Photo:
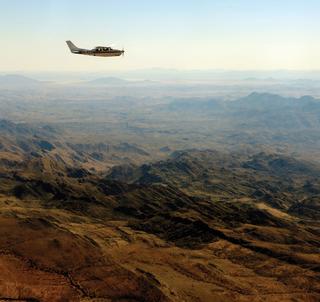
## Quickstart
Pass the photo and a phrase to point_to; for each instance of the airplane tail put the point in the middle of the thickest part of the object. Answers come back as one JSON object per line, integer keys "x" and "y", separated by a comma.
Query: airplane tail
{"x": 72, "y": 47}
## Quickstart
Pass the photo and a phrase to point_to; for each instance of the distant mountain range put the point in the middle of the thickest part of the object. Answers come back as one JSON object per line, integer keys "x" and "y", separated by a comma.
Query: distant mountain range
{"x": 18, "y": 81}
{"x": 257, "y": 110}
{"x": 107, "y": 81}
{"x": 114, "y": 81}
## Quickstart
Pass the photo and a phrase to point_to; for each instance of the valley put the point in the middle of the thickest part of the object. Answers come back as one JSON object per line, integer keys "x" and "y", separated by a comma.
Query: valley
{"x": 187, "y": 197}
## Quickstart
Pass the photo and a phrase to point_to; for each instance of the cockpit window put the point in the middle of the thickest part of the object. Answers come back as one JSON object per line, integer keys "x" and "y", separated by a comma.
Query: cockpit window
{"x": 103, "y": 48}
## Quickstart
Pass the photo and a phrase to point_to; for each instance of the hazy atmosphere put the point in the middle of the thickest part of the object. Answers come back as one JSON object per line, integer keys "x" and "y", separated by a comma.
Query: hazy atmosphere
{"x": 231, "y": 34}
{"x": 159, "y": 151}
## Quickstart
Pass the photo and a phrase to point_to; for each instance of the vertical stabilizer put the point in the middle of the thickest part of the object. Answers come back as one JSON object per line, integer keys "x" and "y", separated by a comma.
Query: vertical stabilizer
{"x": 72, "y": 47}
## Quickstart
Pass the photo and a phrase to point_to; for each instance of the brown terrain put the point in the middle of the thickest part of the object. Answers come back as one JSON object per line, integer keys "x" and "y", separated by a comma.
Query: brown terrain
{"x": 77, "y": 224}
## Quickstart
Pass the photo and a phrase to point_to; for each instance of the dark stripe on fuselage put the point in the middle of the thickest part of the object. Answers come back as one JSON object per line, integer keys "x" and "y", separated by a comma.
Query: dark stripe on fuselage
{"x": 98, "y": 53}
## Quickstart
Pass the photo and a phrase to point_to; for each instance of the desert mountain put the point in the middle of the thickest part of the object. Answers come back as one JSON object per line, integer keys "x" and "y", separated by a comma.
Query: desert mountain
{"x": 231, "y": 226}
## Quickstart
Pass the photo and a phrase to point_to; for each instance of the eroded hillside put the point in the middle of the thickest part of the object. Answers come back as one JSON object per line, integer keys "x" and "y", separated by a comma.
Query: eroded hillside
{"x": 200, "y": 225}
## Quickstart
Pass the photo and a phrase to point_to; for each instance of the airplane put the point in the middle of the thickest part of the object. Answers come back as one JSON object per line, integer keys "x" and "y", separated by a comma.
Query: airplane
{"x": 99, "y": 51}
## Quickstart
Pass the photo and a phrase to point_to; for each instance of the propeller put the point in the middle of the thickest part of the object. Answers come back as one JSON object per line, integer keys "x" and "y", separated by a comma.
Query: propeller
{"x": 114, "y": 45}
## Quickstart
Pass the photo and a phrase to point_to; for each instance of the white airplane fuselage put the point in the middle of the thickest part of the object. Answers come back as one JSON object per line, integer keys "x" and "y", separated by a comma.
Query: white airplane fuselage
{"x": 94, "y": 52}
{"x": 99, "y": 51}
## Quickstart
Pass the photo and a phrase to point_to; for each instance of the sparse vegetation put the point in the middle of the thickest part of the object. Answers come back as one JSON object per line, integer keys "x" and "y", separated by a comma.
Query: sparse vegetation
{"x": 170, "y": 200}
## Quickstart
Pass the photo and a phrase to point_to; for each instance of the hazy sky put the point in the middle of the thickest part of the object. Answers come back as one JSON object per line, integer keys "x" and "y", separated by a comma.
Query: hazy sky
{"x": 183, "y": 34}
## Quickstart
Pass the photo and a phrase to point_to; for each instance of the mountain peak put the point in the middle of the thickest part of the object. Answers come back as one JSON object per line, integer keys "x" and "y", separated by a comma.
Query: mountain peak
{"x": 17, "y": 80}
